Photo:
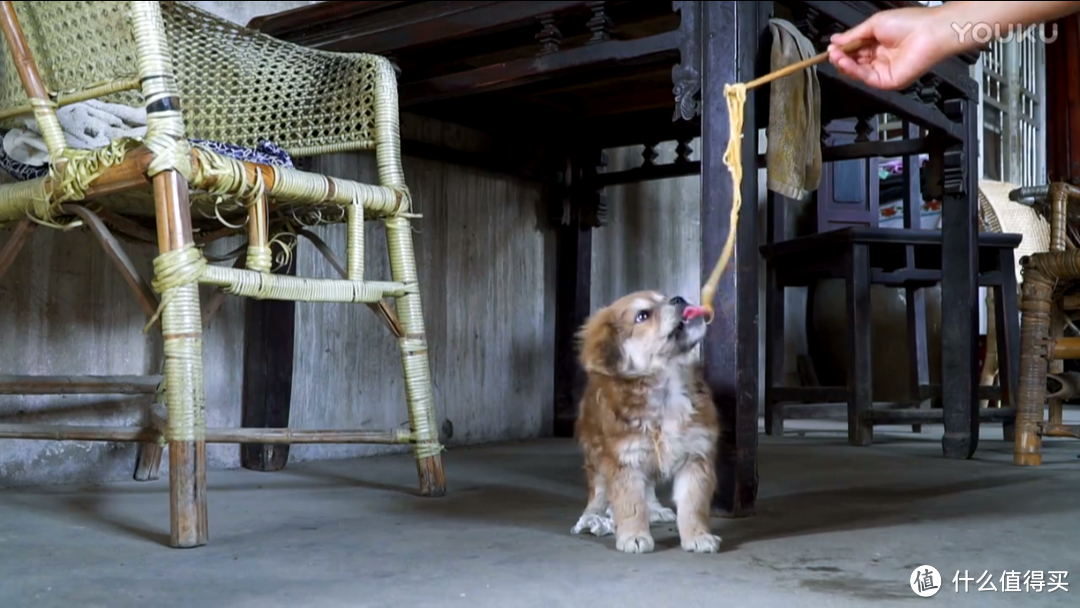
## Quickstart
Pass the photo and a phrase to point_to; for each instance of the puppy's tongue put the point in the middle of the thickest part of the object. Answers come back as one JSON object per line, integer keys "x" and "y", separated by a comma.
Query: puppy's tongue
{"x": 692, "y": 312}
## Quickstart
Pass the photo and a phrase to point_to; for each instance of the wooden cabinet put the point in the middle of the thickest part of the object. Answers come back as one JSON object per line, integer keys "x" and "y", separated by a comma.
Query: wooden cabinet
{"x": 849, "y": 190}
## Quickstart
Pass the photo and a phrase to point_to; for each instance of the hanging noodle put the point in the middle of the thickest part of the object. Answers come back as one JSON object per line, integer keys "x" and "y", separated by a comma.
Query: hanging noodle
{"x": 736, "y": 102}
{"x": 736, "y": 99}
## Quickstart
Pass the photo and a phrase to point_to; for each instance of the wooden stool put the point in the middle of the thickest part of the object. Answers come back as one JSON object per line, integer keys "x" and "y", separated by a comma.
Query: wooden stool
{"x": 897, "y": 258}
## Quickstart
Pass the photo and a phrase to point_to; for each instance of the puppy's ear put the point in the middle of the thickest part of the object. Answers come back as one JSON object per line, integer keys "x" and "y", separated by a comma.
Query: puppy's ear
{"x": 599, "y": 344}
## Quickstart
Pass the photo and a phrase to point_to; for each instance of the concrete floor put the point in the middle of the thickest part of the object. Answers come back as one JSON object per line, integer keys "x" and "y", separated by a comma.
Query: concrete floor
{"x": 836, "y": 526}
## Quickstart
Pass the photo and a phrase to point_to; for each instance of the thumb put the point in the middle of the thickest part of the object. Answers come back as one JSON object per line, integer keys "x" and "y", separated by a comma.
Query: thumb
{"x": 863, "y": 31}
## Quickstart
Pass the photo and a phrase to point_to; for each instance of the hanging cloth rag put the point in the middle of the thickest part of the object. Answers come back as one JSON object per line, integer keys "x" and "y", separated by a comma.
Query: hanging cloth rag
{"x": 793, "y": 155}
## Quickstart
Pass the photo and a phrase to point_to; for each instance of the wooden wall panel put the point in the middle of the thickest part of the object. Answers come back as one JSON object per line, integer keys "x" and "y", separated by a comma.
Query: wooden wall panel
{"x": 1063, "y": 102}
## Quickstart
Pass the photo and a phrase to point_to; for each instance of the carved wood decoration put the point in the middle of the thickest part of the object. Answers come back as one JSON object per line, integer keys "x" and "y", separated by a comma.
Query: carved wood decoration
{"x": 601, "y": 24}
{"x": 806, "y": 18}
{"x": 683, "y": 151}
{"x": 686, "y": 75}
{"x": 649, "y": 155}
{"x": 557, "y": 195}
{"x": 864, "y": 128}
{"x": 589, "y": 198}
{"x": 929, "y": 90}
{"x": 549, "y": 35}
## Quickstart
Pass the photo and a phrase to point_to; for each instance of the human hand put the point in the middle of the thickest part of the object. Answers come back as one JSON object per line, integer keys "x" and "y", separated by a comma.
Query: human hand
{"x": 899, "y": 46}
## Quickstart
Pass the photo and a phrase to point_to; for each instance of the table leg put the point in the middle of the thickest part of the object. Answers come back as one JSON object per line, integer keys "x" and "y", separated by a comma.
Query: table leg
{"x": 959, "y": 290}
{"x": 729, "y": 37}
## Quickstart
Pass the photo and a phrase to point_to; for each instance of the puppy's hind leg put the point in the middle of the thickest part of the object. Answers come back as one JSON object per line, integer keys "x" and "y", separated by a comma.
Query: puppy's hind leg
{"x": 693, "y": 490}
{"x": 631, "y": 511}
{"x": 658, "y": 513}
{"x": 596, "y": 518}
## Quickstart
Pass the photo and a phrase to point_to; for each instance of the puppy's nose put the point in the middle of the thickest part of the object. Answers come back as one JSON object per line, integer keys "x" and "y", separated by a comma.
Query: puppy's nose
{"x": 678, "y": 300}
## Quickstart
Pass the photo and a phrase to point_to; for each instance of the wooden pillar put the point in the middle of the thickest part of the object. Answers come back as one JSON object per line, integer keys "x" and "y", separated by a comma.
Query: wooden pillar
{"x": 729, "y": 41}
{"x": 574, "y": 207}
{"x": 269, "y": 327}
{"x": 572, "y": 283}
{"x": 1063, "y": 101}
{"x": 915, "y": 305}
{"x": 959, "y": 287}
{"x": 269, "y": 351}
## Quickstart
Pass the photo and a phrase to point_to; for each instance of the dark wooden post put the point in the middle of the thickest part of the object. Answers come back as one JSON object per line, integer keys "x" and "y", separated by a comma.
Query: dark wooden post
{"x": 576, "y": 208}
{"x": 729, "y": 39}
{"x": 573, "y": 278}
{"x": 918, "y": 351}
{"x": 959, "y": 288}
{"x": 774, "y": 317}
{"x": 268, "y": 375}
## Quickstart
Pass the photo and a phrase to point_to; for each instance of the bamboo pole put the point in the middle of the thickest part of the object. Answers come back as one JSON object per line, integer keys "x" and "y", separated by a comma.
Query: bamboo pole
{"x": 63, "y": 432}
{"x": 79, "y": 385}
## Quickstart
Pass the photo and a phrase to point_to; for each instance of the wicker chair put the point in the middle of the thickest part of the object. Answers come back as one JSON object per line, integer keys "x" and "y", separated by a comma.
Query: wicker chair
{"x": 206, "y": 83}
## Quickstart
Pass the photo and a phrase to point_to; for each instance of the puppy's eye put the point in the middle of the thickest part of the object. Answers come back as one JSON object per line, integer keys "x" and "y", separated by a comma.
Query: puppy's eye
{"x": 642, "y": 316}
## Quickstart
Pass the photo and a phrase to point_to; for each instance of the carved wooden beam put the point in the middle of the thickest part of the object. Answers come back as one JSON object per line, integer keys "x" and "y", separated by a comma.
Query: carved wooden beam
{"x": 686, "y": 75}
{"x": 600, "y": 24}
{"x": 549, "y": 35}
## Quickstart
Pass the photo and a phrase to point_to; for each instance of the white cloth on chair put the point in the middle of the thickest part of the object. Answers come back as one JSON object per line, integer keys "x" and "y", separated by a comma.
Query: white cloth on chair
{"x": 24, "y": 145}
{"x": 86, "y": 125}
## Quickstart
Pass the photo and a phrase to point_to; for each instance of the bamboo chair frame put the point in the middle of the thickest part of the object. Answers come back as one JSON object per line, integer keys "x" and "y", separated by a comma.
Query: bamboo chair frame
{"x": 102, "y": 188}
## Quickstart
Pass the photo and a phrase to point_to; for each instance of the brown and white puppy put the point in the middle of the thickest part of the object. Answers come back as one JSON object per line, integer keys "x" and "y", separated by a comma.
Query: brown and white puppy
{"x": 646, "y": 416}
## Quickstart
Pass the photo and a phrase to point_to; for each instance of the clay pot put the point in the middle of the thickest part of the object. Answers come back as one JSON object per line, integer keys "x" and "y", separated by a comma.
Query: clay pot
{"x": 827, "y": 337}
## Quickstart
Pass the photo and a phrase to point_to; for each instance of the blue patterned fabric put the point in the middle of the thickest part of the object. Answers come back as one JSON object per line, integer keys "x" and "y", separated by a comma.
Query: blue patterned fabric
{"x": 20, "y": 171}
{"x": 265, "y": 153}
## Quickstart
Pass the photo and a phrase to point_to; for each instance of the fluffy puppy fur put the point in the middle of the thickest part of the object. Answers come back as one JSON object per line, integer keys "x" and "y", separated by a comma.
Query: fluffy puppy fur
{"x": 646, "y": 416}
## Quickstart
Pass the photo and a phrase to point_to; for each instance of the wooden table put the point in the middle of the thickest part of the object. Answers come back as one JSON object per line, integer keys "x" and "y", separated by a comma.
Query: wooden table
{"x": 597, "y": 75}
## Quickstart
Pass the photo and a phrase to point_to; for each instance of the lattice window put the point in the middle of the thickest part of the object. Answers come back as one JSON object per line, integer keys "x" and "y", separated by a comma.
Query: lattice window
{"x": 993, "y": 87}
{"x": 1012, "y": 84}
{"x": 890, "y": 127}
{"x": 1011, "y": 76}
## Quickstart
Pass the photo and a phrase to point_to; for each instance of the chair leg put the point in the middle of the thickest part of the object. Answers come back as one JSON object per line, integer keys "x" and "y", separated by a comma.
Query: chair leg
{"x": 414, "y": 359}
{"x": 148, "y": 457}
{"x": 181, "y": 326}
{"x": 918, "y": 353}
{"x": 774, "y": 352}
{"x": 1007, "y": 321}
{"x": 860, "y": 370}
{"x": 991, "y": 360}
{"x": 148, "y": 461}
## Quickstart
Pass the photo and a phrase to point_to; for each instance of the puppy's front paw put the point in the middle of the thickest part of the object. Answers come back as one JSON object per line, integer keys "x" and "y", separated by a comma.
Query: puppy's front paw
{"x": 702, "y": 543}
{"x": 596, "y": 524}
{"x": 635, "y": 543}
{"x": 661, "y": 515}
